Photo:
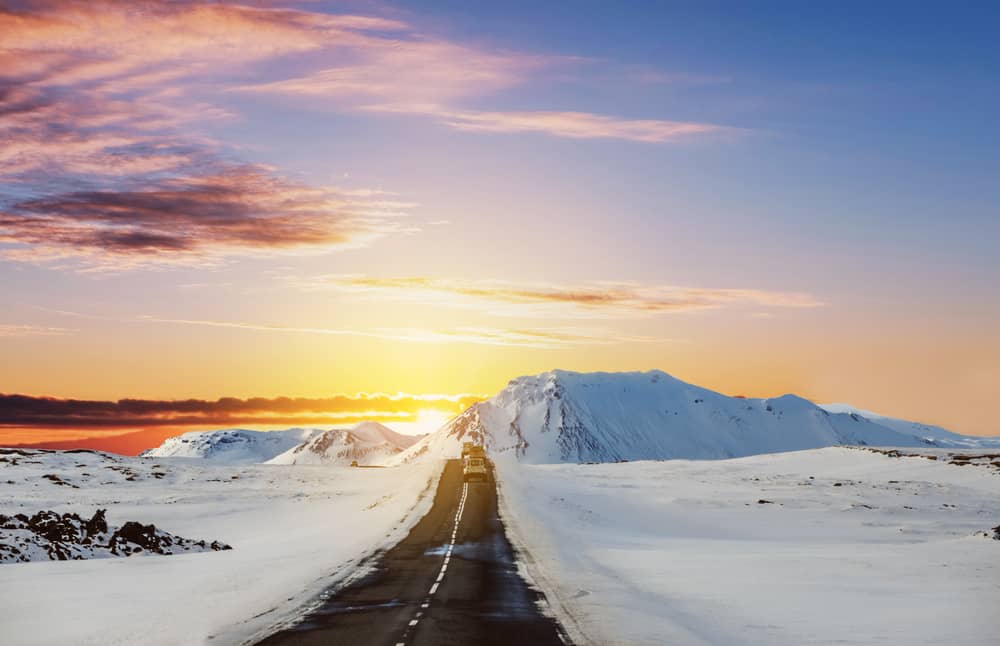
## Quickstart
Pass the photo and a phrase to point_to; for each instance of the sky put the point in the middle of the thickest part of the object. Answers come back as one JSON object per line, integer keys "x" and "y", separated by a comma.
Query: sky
{"x": 268, "y": 214}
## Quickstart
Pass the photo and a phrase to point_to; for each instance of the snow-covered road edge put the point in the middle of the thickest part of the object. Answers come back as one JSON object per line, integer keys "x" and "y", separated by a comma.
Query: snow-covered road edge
{"x": 315, "y": 594}
{"x": 534, "y": 571}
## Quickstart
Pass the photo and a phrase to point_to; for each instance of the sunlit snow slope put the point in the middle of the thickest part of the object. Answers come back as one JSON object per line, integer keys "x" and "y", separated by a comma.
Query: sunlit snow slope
{"x": 232, "y": 446}
{"x": 938, "y": 435}
{"x": 366, "y": 443}
{"x": 564, "y": 416}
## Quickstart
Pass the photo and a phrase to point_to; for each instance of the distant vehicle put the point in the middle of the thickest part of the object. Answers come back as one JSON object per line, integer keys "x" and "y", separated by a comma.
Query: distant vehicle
{"x": 475, "y": 464}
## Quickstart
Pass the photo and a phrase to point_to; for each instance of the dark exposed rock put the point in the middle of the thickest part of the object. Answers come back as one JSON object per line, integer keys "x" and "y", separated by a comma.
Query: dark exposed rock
{"x": 142, "y": 536}
{"x": 98, "y": 524}
{"x": 59, "y": 481}
{"x": 48, "y": 535}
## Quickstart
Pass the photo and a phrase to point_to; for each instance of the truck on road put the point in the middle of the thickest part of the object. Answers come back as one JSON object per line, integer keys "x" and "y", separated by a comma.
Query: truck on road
{"x": 475, "y": 464}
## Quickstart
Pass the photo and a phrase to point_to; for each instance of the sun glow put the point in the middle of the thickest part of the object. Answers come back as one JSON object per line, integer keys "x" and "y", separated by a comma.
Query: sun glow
{"x": 428, "y": 420}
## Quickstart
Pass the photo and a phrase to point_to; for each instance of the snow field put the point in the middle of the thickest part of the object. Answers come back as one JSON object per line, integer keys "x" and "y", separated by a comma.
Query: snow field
{"x": 294, "y": 531}
{"x": 851, "y": 547}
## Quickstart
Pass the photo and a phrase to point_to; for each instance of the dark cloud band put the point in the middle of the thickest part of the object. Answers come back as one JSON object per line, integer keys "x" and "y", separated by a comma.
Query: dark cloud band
{"x": 24, "y": 411}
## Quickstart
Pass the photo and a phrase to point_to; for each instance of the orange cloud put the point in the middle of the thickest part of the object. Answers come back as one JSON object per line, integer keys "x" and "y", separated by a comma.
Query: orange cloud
{"x": 586, "y": 300}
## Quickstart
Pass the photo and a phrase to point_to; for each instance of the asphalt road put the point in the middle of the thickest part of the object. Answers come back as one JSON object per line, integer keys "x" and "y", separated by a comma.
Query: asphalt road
{"x": 452, "y": 580}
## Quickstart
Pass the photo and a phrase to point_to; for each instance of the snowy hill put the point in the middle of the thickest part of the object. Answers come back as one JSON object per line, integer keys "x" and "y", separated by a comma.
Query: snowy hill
{"x": 367, "y": 443}
{"x": 936, "y": 434}
{"x": 564, "y": 416}
{"x": 232, "y": 446}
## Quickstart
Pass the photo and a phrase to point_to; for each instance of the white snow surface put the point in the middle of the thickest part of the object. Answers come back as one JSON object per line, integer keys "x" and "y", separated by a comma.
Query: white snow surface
{"x": 564, "y": 416}
{"x": 682, "y": 552}
{"x": 294, "y": 531}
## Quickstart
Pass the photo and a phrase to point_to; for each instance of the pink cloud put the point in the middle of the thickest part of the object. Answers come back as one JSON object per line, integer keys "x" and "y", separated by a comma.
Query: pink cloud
{"x": 232, "y": 210}
{"x": 573, "y": 125}
{"x": 101, "y": 100}
{"x": 407, "y": 71}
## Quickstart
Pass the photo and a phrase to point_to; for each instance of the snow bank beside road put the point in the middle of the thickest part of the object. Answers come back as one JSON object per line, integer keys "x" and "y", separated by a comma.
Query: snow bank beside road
{"x": 294, "y": 531}
{"x": 814, "y": 547}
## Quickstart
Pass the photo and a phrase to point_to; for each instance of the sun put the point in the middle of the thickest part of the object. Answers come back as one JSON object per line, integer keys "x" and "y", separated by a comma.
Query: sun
{"x": 428, "y": 420}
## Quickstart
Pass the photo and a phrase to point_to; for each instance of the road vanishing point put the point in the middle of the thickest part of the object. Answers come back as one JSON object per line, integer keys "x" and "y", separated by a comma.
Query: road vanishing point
{"x": 452, "y": 581}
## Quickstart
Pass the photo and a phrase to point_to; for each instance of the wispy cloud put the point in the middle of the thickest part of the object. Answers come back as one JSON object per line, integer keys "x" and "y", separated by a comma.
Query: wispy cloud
{"x": 588, "y": 300}
{"x": 549, "y": 338}
{"x": 411, "y": 70}
{"x": 8, "y": 330}
{"x": 572, "y": 125}
{"x": 578, "y": 125}
{"x": 410, "y": 73}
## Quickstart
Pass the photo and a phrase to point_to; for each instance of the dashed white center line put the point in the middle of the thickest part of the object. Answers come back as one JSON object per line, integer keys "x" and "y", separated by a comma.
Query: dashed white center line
{"x": 447, "y": 558}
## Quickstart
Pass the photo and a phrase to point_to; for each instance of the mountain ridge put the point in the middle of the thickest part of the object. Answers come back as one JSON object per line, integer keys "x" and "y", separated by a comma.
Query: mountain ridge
{"x": 366, "y": 443}
{"x": 565, "y": 416}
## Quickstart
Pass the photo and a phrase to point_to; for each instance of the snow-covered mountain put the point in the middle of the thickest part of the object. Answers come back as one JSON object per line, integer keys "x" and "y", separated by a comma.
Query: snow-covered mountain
{"x": 936, "y": 434}
{"x": 367, "y": 443}
{"x": 232, "y": 446}
{"x": 564, "y": 416}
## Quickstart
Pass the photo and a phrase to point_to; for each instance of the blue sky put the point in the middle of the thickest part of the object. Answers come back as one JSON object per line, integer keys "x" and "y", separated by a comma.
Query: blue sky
{"x": 758, "y": 197}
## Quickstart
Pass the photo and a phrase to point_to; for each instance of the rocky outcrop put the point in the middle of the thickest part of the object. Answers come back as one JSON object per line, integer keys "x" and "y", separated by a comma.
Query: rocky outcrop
{"x": 49, "y": 536}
